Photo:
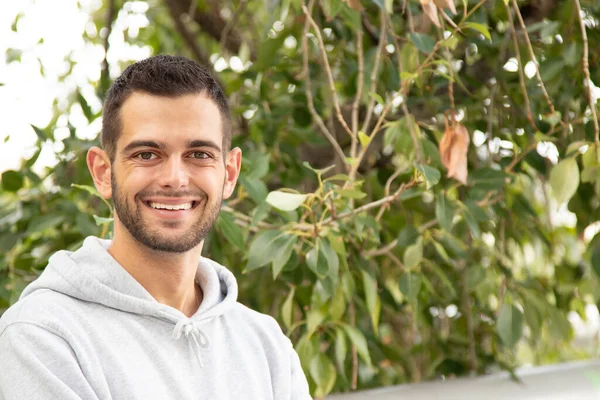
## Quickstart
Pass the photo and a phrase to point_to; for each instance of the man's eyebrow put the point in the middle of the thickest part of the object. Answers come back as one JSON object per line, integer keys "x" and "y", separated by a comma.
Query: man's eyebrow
{"x": 203, "y": 143}
{"x": 143, "y": 143}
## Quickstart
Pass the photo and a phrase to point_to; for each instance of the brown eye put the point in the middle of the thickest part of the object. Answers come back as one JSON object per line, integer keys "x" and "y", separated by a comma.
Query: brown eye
{"x": 146, "y": 155}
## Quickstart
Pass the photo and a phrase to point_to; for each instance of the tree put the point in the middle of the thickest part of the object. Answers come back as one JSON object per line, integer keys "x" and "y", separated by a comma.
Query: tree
{"x": 406, "y": 166}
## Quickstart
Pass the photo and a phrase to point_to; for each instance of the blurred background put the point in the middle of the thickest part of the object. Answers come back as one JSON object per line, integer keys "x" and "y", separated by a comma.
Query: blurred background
{"x": 420, "y": 194}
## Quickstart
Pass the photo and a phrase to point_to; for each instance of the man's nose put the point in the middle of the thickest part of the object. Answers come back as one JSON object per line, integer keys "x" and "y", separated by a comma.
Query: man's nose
{"x": 174, "y": 174}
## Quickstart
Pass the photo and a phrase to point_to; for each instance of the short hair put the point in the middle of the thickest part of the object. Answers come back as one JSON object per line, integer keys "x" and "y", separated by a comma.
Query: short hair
{"x": 161, "y": 75}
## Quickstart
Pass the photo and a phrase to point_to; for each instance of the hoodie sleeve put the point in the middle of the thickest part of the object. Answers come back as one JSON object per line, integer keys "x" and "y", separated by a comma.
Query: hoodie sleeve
{"x": 38, "y": 364}
{"x": 300, "y": 389}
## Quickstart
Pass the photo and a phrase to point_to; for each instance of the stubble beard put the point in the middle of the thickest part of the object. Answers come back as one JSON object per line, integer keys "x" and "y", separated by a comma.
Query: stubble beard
{"x": 156, "y": 239}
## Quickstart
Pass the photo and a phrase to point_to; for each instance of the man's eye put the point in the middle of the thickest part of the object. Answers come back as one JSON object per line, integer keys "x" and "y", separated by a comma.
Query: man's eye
{"x": 146, "y": 155}
{"x": 200, "y": 155}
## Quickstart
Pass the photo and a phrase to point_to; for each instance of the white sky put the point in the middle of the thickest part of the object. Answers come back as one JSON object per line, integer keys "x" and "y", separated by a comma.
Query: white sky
{"x": 27, "y": 96}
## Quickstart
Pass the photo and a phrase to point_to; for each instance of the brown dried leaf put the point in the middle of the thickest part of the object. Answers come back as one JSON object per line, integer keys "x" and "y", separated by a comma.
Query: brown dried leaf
{"x": 354, "y": 4}
{"x": 453, "y": 151}
{"x": 430, "y": 9}
{"x": 449, "y": 4}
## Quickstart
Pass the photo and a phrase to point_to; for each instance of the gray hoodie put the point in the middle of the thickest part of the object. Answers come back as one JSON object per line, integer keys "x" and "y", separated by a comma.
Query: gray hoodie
{"x": 85, "y": 329}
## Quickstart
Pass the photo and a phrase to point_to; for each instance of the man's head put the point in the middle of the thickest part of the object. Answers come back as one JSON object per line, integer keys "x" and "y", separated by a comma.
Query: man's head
{"x": 166, "y": 163}
{"x": 164, "y": 76}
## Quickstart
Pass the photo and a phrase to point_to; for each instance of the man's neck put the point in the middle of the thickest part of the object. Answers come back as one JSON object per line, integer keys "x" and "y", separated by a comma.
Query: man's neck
{"x": 168, "y": 277}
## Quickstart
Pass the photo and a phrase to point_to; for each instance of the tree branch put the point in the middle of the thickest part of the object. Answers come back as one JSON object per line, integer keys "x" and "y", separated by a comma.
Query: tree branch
{"x": 308, "y": 91}
{"x": 520, "y": 67}
{"x": 532, "y": 55}
{"x": 380, "y": 48}
{"x": 336, "y": 100}
{"x": 187, "y": 35}
{"x": 231, "y": 24}
{"x": 359, "y": 89}
{"x": 105, "y": 71}
{"x": 586, "y": 73}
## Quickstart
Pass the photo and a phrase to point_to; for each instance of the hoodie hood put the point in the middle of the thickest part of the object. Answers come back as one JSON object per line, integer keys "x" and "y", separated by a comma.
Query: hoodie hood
{"x": 91, "y": 274}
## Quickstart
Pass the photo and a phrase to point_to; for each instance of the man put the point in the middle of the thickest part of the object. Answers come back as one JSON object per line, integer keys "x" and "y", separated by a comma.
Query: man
{"x": 144, "y": 316}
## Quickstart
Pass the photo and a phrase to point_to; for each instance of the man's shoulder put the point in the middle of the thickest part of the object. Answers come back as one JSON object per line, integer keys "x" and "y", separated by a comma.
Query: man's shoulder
{"x": 43, "y": 308}
{"x": 263, "y": 324}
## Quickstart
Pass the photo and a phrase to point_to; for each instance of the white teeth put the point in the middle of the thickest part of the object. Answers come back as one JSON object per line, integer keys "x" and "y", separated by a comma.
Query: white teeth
{"x": 160, "y": 206}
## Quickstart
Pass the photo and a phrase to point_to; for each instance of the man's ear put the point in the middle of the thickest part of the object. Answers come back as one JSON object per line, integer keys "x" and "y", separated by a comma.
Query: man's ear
{"x": 232, "y": 171}
{"x": 99, "y": 165}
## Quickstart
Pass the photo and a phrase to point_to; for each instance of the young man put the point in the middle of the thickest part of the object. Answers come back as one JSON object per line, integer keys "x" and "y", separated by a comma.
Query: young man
{"x": 144, "y": 316}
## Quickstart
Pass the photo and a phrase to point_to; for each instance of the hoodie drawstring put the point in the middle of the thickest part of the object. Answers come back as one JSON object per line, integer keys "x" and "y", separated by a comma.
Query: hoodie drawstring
{"x": 191, "y": 330}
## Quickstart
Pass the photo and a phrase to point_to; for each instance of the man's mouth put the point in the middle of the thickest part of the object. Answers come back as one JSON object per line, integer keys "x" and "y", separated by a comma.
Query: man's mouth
{"x": 171, "y": 207}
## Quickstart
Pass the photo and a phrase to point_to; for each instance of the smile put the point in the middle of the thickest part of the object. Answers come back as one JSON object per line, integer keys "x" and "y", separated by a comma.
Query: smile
{"x": 172, "y": 207}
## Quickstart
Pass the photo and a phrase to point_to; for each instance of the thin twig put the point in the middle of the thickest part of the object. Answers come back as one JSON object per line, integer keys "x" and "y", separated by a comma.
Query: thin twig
{"x": 586, "y": 73}
{"x": 231, "y": 24}
{"x": 388, "y": 186}
{"x": 354, "y": 382}
{"x": 187, "y": 35}
{"x": 359, "y": 89}
{"x": 375, "y": 71}
{"x": 309, "y": 96}
{"x": 110, "y": 16}
{"x": 373, "y": 204}
{"x": 467, "y": 309}
{"x": 520, "y": 67}
{"x": 193, "y": 8}
{"x": 334, "y": 95}
{"x": 532, "y": 55}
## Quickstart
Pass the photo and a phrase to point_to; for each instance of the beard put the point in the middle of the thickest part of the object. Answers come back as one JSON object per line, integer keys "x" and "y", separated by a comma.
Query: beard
{"x": 155, "y": 238}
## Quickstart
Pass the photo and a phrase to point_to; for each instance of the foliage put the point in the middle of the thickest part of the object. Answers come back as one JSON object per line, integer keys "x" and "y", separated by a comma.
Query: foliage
{"x": 345, "y": 226}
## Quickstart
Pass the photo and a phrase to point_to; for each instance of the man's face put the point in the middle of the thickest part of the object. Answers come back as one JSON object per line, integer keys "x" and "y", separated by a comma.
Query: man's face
{"x": 170, "y": 171}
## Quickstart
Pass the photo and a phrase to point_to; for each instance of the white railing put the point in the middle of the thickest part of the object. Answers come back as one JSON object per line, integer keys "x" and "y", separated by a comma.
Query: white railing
{"x": 570, "y": 381}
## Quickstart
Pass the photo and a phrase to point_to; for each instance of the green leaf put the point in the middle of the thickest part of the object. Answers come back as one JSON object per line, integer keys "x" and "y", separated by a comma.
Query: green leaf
{"x": 318, "y": 263}
{"x": 314, "y": 317}
{"x": 317, "y": 171}
{"x": 444, "y": 212}
{"x": 488, "y": 178}
{"x": 85, "y": 107}
{"x": 564, "y": 179}
{"x": 340, "y": 348}
{"x": 596, "y": 261}
{"x": 431, "y": 175}
{"x": 472, "y": 223}
{"x": 423, "y": 42}
{"x": 287, "y": 308}
{"x": 255, "y": 188}
{"x": 351, "y": 193}
{"x": 41, "y": 134}
{"x": 262, "y": 249}
{"x": 101, "y": 221}
{"x": 358, "y": 339}
{"x": 338, "y": 304}
{"x": 364, "y": 139}
{"x": 44, "y": 222}
{"x": 323, "y": 374}
{"x": 231, "y": 231}
{"x": 331, "y": 8}
{"x": 286, "y": 201}
{"x": 373, "y": 300}
{"x": 90, "y": 189}
{"x": 282, "y": 254}
{"x": 479, "y": 28}
{"x": 410, "y": 285}
{"x": 510, "y": 325}
{"x": 377, "y": 98}
{"x": 12, "y": 181}
{"x": 413, "y": 254}
{"x": 331, "y": 258}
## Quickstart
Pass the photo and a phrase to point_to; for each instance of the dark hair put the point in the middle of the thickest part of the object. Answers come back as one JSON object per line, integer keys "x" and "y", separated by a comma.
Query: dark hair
{"x": 162, "y": 75}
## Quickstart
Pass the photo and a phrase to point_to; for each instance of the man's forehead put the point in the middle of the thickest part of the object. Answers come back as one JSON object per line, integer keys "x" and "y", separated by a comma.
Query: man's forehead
{"x": 172, "y": 120}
